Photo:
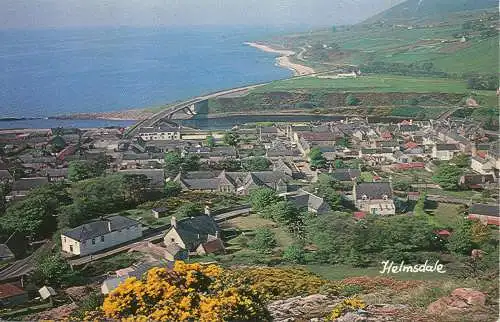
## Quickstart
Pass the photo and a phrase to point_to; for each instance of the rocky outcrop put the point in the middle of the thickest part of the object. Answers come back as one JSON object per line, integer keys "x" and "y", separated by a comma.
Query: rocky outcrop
{"x": 299, "y": 308}
{"x": 461, "y": 301}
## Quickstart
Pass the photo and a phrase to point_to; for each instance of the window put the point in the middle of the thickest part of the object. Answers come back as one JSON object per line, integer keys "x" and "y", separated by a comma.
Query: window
{"x": 102, "y": 238}
{"x": 64, "y": 239}
{"x": 93, "y": 241}
{"x": 172, "y": 240}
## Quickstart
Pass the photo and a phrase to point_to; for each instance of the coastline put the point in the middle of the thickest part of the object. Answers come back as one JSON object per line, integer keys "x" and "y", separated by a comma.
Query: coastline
{"x": 284, "y": 59}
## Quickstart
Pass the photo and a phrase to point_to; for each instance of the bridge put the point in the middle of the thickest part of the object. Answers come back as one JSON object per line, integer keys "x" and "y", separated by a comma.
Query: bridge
{"x": 188, "y": 107}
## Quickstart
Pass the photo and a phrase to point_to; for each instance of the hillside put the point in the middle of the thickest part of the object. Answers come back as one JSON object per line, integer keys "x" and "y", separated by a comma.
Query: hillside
{"x": 447, "y": 38}
{"x": 425, "y": 9}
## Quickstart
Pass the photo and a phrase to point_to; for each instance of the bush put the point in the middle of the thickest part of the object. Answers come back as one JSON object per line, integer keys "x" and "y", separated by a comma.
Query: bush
{"x": 294, "y": 254}
{"x": 264, "y": 240}
{"x": 351, "y": 100}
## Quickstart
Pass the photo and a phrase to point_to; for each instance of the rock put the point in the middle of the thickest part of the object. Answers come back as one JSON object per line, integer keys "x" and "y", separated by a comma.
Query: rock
{"x": 302, "y": 308}
{"x": 471, "y": 296}
{"x": 351, "y": 317}
{"x": 460, "y": 301}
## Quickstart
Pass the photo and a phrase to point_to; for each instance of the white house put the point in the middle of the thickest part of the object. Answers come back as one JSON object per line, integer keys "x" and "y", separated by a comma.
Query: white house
{"x": 164, "y": 132}
{"x": 482, "y": 166}
{"x": 444, "y": 152}
{"x": 100, "y": 234}
{"x": 374, "y": 198}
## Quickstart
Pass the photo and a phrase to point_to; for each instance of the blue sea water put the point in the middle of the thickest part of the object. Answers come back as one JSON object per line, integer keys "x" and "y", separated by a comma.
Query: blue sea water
{"x": 53, "y": 72}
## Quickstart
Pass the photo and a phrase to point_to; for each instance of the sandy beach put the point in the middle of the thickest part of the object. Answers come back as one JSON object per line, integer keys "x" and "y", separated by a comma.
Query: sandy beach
{"x": 284, "y": 59}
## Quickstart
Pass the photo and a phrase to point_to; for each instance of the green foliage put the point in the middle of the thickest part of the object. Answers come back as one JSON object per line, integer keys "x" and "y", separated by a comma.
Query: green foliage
{"x": 351, "y": 100}
{"x": 83, "y": 169}
{"x": 228, "y": 164}
{"x": 339, "y": 164}
{"x": 294, "y": 254}
{"x": 89, "y": 303}
{"x": 187, "y": 210}
{"x": 256, "y": 164}
{"x": 58, "y": 143}
{"x": 461, "y": 160}
{"x": 52, "y": 269}
{"x": 172, "y": 189}
{"x": 175, "y": 163}
{"x": 264, "y": 240}
{"x": 262, "y": 197}
{"x": 231, "y": 138}
{"x": 447, "y": 176}
{"x": 482, "y": 82}
{"x": 419, "y": 209}
{"x": 317, "y": 160}
{"x": 343, "y": 142}
{"x": 460, "y": 242}
{"x": 327, "y": 187}
{"x": 401, "y": 186}
{"x": 210, "y": 141}
{"x": 34, "y": 215}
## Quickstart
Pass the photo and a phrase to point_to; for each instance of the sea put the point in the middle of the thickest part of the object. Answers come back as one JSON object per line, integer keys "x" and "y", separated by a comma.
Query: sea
{"x": 51, "y": 72}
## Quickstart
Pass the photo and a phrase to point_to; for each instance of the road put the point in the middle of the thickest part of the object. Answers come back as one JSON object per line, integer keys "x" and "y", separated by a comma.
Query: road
{"x": 24, "y": 266}
{"x": 151, "y": 238}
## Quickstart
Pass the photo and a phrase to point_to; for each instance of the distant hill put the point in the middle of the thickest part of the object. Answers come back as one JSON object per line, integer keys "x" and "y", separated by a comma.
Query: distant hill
{"x": 424, "y": 9}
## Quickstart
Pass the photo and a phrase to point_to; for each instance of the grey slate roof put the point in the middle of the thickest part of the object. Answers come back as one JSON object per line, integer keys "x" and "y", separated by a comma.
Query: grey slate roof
{"x": 346, "y": 174}
{"x": 26, "y": 184}
{"x": 305, "y": 199}
{"x": 373, "y": 190}
{"x": 100, "y": 227}
{"x": 5, "y": 253}
{"x": 5, "y": 175}
{"x": 484, "y": 209}
{"x": 195, "y": 230}
{"x": 447, "y": 147}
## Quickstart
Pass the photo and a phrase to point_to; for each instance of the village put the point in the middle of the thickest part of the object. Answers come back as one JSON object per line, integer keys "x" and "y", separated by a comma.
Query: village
{"x": 112, "y": 206}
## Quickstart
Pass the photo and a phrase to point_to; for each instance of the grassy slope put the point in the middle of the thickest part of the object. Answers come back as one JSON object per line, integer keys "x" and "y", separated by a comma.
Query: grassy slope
{"x": 380, "y": 83}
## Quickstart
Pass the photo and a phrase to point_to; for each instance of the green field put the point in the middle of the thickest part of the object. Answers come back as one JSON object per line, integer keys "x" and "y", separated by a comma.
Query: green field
{"x": 379, "y": 83}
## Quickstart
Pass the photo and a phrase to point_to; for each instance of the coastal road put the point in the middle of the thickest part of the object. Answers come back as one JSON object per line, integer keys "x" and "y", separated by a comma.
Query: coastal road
{"x": 164, "y": 114}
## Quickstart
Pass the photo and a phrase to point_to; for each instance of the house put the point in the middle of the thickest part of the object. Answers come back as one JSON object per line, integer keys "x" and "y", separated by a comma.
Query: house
{"x": 374, "y": 198}
{"x": 163, "y": 132}
{"x": 46, "y": 292}
{"x": 156, "y": 176}
{"x": 346, "y": 175}
{"x": 6, "y": 254}
{"x": 482, "y": 165}
{"x": 306, "y": 200}
{"x": 210, "y": 247}
{"x": 111, "y": 284}
{"x": 100, "y": 234}
{"x": 235, "y": 182}
{"x": 444, "y": 152}
{"x": 488, "y": 214}
{"x": 476, "y": 181}
{"x": 190, "y": 233}
{"x": 5, "y": 176}
{"x": 11, "y": 295}
{"x": 56, "y": 175}
{"x": 21, "y": 187}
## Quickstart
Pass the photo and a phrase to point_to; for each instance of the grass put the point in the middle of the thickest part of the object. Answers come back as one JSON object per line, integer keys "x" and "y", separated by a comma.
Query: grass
{"x": 109, "y": 264}
{"x": 339, "y": 272}
{"x": 379, "y": 83}
{"x": 366, "y": 176}
{"x": 446, "y": 214}
{"x": 146, "y": 217}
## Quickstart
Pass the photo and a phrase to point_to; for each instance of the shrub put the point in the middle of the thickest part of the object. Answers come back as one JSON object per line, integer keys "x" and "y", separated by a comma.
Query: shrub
{"x": 264, "y": 240}
{"x": 347, "y": 305}
{"x": 351, "y": 100}
{"x": 187, "y": 292}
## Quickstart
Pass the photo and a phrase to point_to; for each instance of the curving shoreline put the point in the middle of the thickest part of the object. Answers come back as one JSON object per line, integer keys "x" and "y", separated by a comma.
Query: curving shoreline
{"x": 284, "y": 59}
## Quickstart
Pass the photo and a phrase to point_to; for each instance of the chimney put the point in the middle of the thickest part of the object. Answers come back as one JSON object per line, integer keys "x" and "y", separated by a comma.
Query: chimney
{"x": 109, "y": 225}
{"x": 173, "y": 222}
{"x": 217, "y": 234}
{"x": 207, "y": 210}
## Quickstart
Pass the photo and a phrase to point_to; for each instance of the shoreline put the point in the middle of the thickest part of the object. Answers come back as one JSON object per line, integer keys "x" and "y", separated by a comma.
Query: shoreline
{"x": 284, "y": 59}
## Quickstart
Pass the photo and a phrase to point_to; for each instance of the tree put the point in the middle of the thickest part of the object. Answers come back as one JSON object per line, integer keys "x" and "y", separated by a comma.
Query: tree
{"x": 339, "y": 164}
{"x": 461, "y": 160}
{"x": 256, "y": 164}
{"x": 344, "y": 142}
{"x": 188, "y": 292}
{"x": 316, "y": 158}
{"x": 57, "y": 143}
{"x": 419, "y": 209}
{"x": 82, "y": 169}
{"x": 172, "y": 189}
{"x": 35, "y": 215}
{"x": 210, "y": 141}
{"x": 351, "y": 100}
{"x": 187, "y": 210}
{"x": 294, "y": 254}
{"x": 264, "y": 240}
{"x": 228, "y": 164}
{"x": 262, "y": 197}
{"x": 326, "y": 187}
{"x": 173, "y": 163}
{"x": 52, "y": 269}
{"x": 283, "y": 212}
{"x": 447, "y": 176}
{"x": 460, "y": 241}
{"x": 231, "y": 138}
{"x": 401, "y": 186}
